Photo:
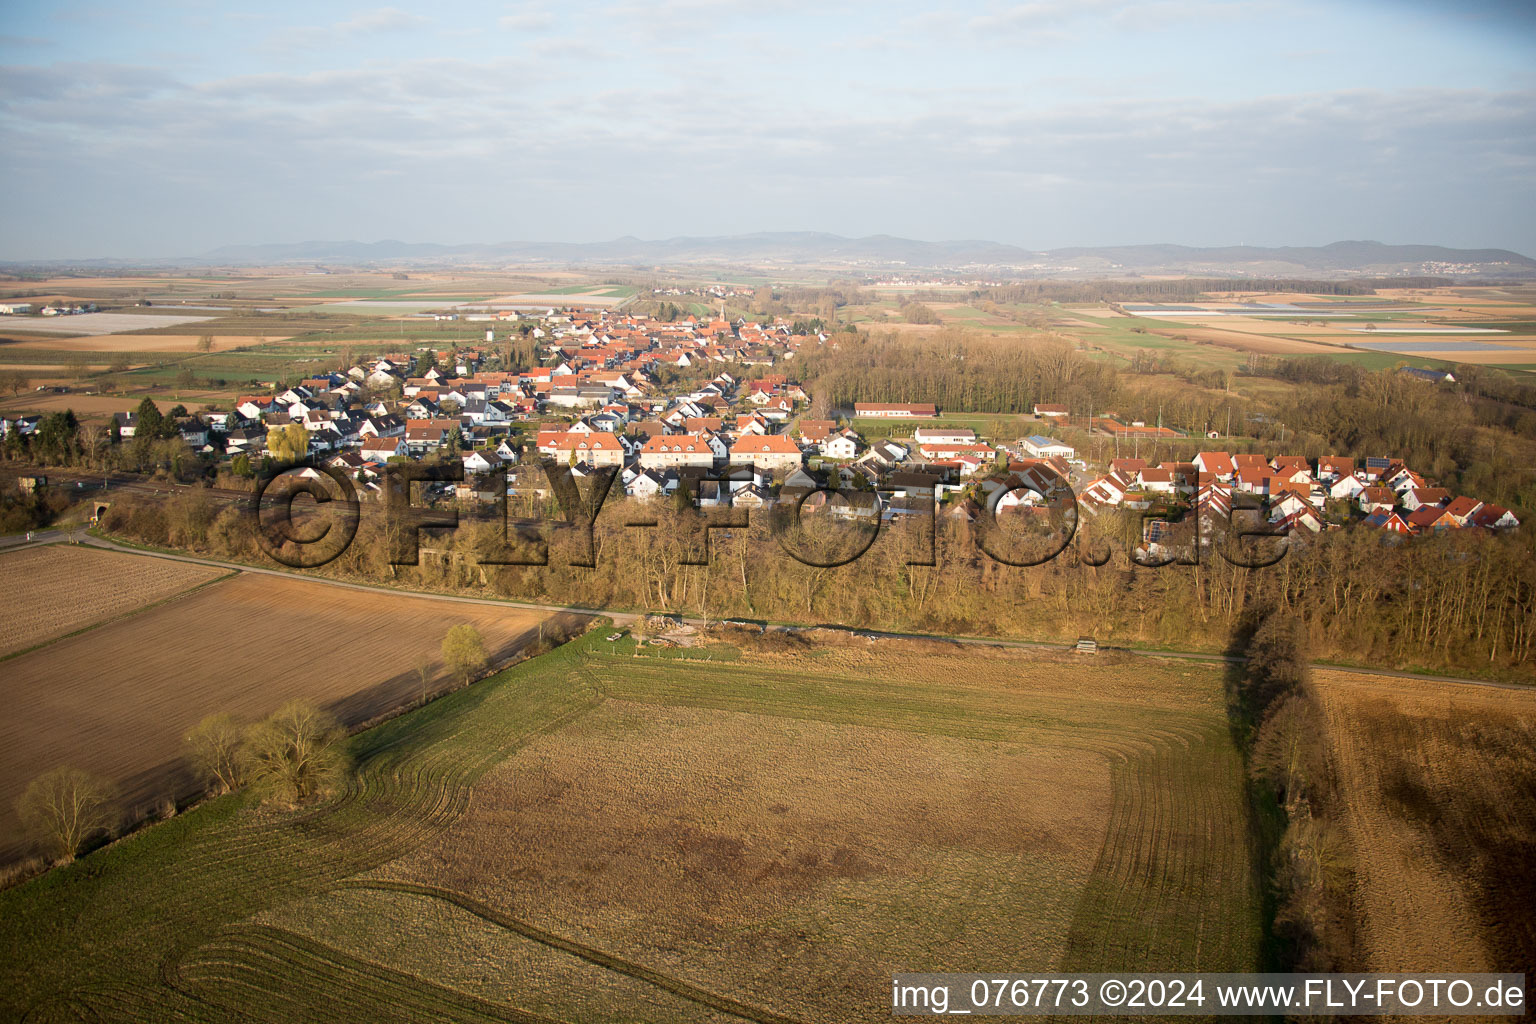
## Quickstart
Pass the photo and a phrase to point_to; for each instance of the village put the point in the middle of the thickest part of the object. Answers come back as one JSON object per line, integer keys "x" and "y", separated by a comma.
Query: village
{"x": 686, "y": 406}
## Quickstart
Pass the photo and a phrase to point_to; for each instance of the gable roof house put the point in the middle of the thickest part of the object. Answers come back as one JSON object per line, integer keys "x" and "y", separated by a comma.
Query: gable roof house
{"x": 1387, "y": 519}
{"x": 381, "y": 449}
{"x": 1218, "y": 464}
{"x": 1428, "y": 518}
{"x": 595, "y": 449}
{"x": 1373, "y": 498}
{"x": 768, "y": 452}
{"x": 1462, "y": 509}
{"x": 1332, "y": 467}
{"x": 844, "y": 445}
{"x": 1414, "y": 497}
{"x": 663, "y": 451}
{"x": 1494, "y": 517}
{"x": 1346, "y": 488}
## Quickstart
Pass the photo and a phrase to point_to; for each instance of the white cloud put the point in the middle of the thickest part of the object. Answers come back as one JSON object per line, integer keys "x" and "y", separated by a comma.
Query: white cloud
{"x": 528, "y": 21}
{"x": 378, "y": 21}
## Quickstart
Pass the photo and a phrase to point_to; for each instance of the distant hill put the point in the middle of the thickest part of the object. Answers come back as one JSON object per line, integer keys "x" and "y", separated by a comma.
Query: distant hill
{"x": 887, "y": 252}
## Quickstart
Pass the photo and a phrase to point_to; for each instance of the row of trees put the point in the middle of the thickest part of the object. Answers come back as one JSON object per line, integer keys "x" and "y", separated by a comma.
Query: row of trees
{"x": 1185, "y": 289}
{"x": 1461, "y": 601}
{"x": 291, "y": 756}
{"x": 957, "y": 370}
{"x": 1297, "y": 801}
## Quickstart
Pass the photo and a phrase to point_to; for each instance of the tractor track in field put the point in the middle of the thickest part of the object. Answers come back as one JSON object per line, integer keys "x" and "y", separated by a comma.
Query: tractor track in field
{"x": 667, "y": 983}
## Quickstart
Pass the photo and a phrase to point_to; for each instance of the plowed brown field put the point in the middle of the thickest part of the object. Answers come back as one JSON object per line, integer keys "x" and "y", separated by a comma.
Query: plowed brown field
{"x": 54, "y": 590}
{"x": 1439, "y": 785}
{"x": 117, "y": 700}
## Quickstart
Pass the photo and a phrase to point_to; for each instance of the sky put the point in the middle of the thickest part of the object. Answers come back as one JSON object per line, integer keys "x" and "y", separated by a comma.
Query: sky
{"x": 168, "y": 128}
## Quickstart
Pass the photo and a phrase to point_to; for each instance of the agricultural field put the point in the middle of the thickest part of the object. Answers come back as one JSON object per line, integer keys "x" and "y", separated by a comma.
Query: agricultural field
{"x": 1438, "y": 782}
{"x": 98, "y": 323}
{"x": 808, "y": 817}
{"x": 117, "y": 699}
{"x": 61, "y": 588}
{"x": 137, "y": 343}
{"x": 579, "y": 295}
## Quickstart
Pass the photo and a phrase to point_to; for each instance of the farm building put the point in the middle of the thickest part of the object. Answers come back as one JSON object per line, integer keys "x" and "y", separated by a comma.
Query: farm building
{"x": 894, "y": 412}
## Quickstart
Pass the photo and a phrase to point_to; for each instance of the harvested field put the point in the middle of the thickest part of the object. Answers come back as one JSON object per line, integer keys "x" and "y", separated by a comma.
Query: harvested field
{"x": 149, "y": 342}
{"x": 101, "y": 406}
{"x": 806, "y": 817}
{"x": 1242, "y": 342}
{"x": 58, "y": 589}
{"x": 831, "y": 829}
{"x": 1439, "y": 786}
{"x": 88, "y": 324}
{"x": 594, "y": 299}
{"x": 118, "y": 699}
{"x": 1508, "y": 357}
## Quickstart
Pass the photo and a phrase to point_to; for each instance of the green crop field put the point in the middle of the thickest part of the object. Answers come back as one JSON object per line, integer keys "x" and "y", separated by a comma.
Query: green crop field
{"x": 756, "y": 831}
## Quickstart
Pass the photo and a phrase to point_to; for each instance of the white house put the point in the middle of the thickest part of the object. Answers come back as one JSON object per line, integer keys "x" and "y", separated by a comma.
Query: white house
{"x": 840, "y": 446}
{"x": 481, "y": 462}
{"x": 381, "y": 449}
{"x": 1346, "y": 488}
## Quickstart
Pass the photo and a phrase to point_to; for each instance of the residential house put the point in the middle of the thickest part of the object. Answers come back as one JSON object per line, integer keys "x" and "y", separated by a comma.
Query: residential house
{"x": 844, "y": 445}
{"x": 671, "y": 451}
{"x": 1432, "y": 518}
{"x": 594, "y": 449}
{"x": 769, "y": 452}
{"x": 1462, "y": 509}
{"x": 1218, "y": 464}
{"x": 1157, "y": 480}
{"x": 1374, "y": 498}
{"x": 1494, "y": 517}
{"x": 1331, "y": 468}
{"x": 382, "y": 449}
{"x": 1414, "y": 497}
{"x": 1388, "y": 519}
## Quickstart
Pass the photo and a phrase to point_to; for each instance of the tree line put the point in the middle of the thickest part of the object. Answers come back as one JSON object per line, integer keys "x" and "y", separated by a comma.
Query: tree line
{"x": 956, "y": 370}
{"x": 1294, "y": 790}
{"x": 1464, "y": 601}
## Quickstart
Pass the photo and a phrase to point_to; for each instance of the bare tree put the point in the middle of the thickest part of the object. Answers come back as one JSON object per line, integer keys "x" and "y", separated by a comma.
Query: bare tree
{"x": 424, "y": 673}
{"x": 63, "y": 808}
{"x": 213, "y": 747}
{"x": 294, "y": 753}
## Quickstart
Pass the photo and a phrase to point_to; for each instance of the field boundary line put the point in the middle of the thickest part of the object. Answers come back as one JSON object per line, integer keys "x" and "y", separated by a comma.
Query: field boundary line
{"x": 593, "y": 956}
